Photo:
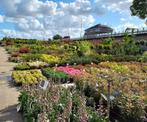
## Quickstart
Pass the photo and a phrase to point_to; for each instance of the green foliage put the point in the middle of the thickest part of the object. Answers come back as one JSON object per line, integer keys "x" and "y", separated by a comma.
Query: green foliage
{"x": 131, "y": 108}
{"x": 125, "y": 47}
{"x": 49, "y": 59}
{"x": 31, "y": 57}
{"x": 83, "y": 60}
{"x": 103, "y": 57}
{"x": 106, "y": 46}
{"x": 84, "y": 48}
{"x": 27, "y": 76}
{"x": 144, "y": 57}
{"x": 50, "y": 73}
{"x": 57, "y": 37}
{"x": 35, "y": 48}
{"x": 94, "y": 117}
{"x": 29, "y": 106}
{"x": 22, "y": 66}
{"x": 130, "y": 48}
{"x": 59, "y": 104}
{"x": 138, "y": 8}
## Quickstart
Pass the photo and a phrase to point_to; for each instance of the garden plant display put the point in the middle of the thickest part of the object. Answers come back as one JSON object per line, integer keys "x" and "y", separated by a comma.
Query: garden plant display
{"x": 61, "y": 105}
{"x": 49, "y": 58}
{"x": 27, "y": 77}
{"x": 37, "y": 64}
{"x": 69, "y": 70}
{"x": 55, "y": 75}
{"x": 89, "y": 65}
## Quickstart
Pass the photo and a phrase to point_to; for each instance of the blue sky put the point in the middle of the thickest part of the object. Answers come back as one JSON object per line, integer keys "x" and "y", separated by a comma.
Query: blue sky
{"x": 41, "y": 19}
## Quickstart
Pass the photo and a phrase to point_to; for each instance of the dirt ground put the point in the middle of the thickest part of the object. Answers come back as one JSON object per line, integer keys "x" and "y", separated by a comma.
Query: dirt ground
{"x": 8, "y": 92}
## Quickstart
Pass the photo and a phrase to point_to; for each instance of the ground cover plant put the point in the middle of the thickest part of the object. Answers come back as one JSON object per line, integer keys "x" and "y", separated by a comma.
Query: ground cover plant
{"x": 27, "y": 76}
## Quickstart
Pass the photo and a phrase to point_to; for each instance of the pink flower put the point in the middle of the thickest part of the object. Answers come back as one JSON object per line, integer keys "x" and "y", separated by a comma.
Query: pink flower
{"x": 69, "y": 70}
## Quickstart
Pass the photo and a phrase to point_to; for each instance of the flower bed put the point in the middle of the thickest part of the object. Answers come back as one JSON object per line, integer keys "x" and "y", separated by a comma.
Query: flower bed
{"x": 22, "y": 66}
{"x": 55, "y": 75}
{"x": 27, "y": 77}
{"x": 30, "y": 65}
{"x": 37, "y": 64}
{"x": 69, "y": 70}
{"x": 56, "y": 104}
{"x": 50, "y": 59}
{"x": 24, "y": 50}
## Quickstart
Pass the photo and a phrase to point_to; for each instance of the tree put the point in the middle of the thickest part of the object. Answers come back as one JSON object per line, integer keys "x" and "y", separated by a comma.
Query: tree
{"x": 49, "y": 39}
{"x": 139, "y": 8}
{"x": 57, "y": 37}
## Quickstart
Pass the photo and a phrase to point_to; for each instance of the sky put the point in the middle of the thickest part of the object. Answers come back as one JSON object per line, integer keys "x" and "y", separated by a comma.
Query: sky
{"x": 41, "y": 19}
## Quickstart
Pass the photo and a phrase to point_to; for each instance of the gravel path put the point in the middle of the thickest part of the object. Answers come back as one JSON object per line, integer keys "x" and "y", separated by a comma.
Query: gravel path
{"x": 8, "y": 93}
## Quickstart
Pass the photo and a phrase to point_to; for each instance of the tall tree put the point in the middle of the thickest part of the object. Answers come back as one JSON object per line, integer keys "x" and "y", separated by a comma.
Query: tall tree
{"x": 57, "y": 37}
{"x": 139, "y": 8}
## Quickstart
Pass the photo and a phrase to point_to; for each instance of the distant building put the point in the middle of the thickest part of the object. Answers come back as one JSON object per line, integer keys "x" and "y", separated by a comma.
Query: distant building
{"x": 96, "y": 30}
{"x": 66, "y": 38}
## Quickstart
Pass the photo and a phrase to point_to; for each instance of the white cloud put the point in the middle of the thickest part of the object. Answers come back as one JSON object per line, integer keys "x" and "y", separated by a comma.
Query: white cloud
{"x": 22, "y": 8}
{"x": 36, "y": 8}
{"x": 121, "y": 6}
{"x": 123, "y": 19}
{"x": 29, "y": 24}
{"x": 27, "y": 35}
{"x": 9, "y": 7}
{"x": 81, "y": 7}
{"x": 49, "y": 17}
{"x": 127, "y": 24}
{"x": 43, "y": 19}
{"x": 1, "y": 18}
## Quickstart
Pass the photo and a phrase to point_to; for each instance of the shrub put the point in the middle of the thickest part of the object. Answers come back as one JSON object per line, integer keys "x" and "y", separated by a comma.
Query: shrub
{"x": 31, "y": 57}
{"x": 84, "y": 48}
{"x": 29, "y": 106}
{"x": 144, "y": 57}
{"x": 115, "y": 66}
{"x": 103, "y": 57}
{"x": 15, "y": 54}
{"x": 15, "y": 59}
{"x": 56, "y": 75}
{"x": 37, "y": 64}
{"x": 83, "y": 60}
{"x": 21, "y": 66}
{"x": 27, "y": 77}
{"x": 125, "y": 58}
{"x": 49, "y": 58}
{"x": 24, "y": 50}
{"x": 131, "y": 107}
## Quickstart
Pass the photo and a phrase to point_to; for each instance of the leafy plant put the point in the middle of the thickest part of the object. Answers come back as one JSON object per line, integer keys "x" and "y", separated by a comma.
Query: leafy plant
{"x": 27, "y": 77}
{"x": 58, "y": 103}
{"x": 24, "y": 50}
{"x": 22, "y": 66}
{"x": 31, "y": 57}
{"x": 58, "y": 75}
{"x": 49, "y": 58}
{"x": 144, "y": 57}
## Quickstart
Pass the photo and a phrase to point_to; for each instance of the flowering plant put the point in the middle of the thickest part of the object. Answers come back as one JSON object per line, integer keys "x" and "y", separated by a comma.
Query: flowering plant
{"x": 37, "y": 64}
{"x": 27, "y": 76}
{"x": 69, "y": 70}
{"x": 24, "y": 50}
{"x": 49, "y": 58}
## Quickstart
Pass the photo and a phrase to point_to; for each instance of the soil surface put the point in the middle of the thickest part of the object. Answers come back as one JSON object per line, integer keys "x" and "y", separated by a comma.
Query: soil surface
{"x": 8, "y": 92}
